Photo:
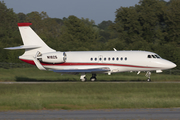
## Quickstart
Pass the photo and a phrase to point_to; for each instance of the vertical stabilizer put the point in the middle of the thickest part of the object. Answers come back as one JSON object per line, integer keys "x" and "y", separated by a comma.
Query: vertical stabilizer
{"x": 33, "y": 45}
{"x": 30, "y": 38}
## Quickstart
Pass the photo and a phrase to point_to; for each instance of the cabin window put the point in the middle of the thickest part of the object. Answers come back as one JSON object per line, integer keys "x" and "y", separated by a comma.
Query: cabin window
{"x": 109, "y": 58}
{"x": 100, "y": 59}
{"x": 104, "y": 59}
{"x": 125, "y": 58}
{"x": 121, "y": 58}
{"x": 95, "y": 59}
{"x": 91, "y": 59}
{"x": 112, "y": 58}
{"x": 117, "y": 58}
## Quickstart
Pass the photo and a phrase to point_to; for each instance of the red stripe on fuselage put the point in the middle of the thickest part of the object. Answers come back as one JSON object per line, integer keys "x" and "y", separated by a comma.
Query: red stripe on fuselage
{"x": 83, "y": 64}
{"x": 28, "y": 61}
{"x": 89, "y": 64}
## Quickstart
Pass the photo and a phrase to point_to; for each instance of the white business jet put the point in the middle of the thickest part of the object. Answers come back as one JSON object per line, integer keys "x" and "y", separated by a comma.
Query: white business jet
{"x": 39, "y": 54}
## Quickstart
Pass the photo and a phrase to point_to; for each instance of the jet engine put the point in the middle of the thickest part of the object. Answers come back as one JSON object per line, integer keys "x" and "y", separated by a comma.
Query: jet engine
{"x": 54, "y": 57}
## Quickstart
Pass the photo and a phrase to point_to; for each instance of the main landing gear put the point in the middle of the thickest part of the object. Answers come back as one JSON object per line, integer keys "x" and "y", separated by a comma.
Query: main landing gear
{"x": 93, "y": 78}
{"x": 83, "y": 77}
{"x": 148, "y": 75}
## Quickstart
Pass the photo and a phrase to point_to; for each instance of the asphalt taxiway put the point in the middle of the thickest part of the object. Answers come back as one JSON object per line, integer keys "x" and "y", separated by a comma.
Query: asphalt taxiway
{"x": 39, "y": 82}
{"x": 107, "y": 114}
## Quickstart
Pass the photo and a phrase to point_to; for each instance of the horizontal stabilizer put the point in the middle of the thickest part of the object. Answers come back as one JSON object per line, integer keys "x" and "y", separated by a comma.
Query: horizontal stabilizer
{"x": 23, "y": 47}
{"x": 105, "y": 69}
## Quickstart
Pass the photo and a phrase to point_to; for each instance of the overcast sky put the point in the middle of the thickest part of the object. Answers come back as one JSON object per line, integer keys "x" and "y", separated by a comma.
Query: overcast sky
{"x": 97, "y": 10}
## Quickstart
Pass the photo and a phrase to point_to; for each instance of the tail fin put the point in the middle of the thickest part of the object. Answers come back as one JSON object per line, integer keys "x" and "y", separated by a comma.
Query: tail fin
{"x": 32, "y": 42}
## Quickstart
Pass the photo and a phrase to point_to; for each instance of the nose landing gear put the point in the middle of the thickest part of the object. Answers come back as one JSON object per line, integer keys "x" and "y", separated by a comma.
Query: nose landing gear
{"x": 148, "y": 75}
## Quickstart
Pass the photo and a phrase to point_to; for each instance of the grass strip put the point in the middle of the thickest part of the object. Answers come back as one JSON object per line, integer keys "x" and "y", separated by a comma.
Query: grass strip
{"x": 74, "y": 96}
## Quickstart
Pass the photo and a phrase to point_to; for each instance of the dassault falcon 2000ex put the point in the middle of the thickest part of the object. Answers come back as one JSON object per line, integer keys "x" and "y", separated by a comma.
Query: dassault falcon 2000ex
{"x": 45, "y": 58}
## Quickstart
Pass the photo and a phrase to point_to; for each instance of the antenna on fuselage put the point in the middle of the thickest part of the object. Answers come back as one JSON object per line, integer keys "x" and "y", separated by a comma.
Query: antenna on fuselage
{"x": 114, "y": 49}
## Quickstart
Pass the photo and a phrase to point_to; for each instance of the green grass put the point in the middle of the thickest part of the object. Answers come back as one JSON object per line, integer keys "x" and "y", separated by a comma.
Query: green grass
{"x": 73, "y": 96}
{"x": 33, "y": 74}
{"x": 88, "y": 95}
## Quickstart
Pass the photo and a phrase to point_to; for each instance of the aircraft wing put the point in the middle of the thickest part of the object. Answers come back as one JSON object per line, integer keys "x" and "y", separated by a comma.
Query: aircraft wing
{"x": 92, "y": 70}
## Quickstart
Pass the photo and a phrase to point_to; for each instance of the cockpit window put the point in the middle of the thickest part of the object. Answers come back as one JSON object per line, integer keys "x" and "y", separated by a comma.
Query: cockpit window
{"x": 153, "y": 56}
{"x": 157, "y": 56}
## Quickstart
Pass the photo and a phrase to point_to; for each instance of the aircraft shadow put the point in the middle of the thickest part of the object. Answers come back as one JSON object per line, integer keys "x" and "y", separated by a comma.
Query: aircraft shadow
{"x": 26, "y": 79}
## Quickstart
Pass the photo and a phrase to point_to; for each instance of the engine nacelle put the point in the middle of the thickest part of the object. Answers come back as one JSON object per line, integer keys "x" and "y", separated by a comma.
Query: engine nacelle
{"x": 54, "y": 57}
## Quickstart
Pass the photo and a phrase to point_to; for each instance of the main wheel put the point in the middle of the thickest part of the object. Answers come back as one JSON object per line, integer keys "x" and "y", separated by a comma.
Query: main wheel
{"x": 93, "y": 79}
{"x": 84, "y": 79}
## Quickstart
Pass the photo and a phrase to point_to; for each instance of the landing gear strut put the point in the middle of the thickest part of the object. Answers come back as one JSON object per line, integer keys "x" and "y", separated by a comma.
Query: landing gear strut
{"x": 148, "y": 75}
{"x": 93, "y": 78}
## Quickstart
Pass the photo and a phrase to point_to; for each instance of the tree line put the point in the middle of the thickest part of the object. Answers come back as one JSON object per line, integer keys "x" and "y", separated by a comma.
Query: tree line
{"x": 151, "y": 25}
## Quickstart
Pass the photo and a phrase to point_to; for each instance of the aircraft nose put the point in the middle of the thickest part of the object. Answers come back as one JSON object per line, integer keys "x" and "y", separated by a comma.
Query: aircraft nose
{"x": 165, "y": 64}
{"x": 173, "y": 65}
{"x": 170, "y": 65}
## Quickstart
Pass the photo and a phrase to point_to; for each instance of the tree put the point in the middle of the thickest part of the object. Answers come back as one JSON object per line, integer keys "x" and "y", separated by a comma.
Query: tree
{"x": 37, "y": 19}
{"x": 127, "y": 25}
{"x": 104, "y": 31}
{"x": 21, "y": 17}
{"x": 172, "y": 21}
{"x": 76, "y": 35}
{"x": 87, "y": 22}
{"x": 9, "y": 35}
{"x": 141, "y": 24}
{"x": 151, "y": 19}
{"x": 105, "y": 24}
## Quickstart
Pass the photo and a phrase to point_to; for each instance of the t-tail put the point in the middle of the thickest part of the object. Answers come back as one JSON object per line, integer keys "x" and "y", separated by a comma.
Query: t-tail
{"x": 34, "y": 46}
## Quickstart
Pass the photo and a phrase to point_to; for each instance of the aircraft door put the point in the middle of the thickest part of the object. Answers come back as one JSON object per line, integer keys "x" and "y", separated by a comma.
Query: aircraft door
{"x": 100, "y": 58}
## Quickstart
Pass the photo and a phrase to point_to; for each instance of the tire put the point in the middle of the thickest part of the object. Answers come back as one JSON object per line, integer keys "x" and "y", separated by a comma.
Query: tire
{"x": 84, "y": 80}
{"x": 148, "y": 80}
{"x": 93, "y": 79}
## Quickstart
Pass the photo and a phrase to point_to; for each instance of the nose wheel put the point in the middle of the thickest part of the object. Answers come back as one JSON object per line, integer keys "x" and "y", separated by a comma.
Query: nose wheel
{"x": 148, "y": 75}
{"x": 148, "y": 80}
